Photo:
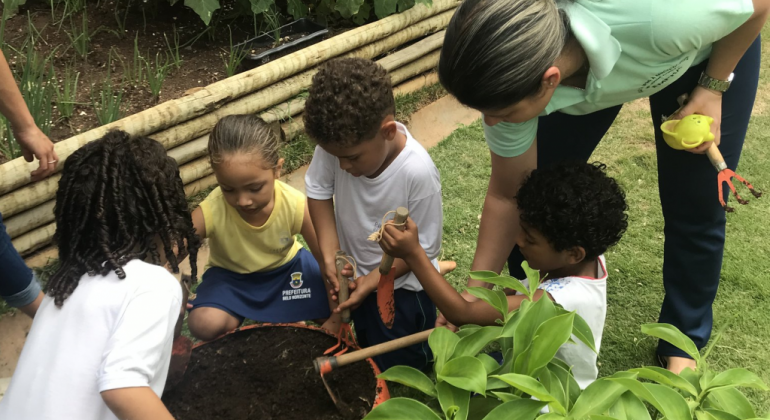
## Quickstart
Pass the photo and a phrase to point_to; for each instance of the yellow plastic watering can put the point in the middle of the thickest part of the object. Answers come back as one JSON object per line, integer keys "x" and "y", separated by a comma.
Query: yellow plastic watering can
{"x": 689, "y": 132}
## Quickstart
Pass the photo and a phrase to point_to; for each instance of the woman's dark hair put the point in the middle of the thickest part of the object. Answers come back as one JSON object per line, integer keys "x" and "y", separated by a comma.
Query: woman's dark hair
{"x": 115, "y": 197}
{"x": 496, "y": 51}
{"x": 246, "y": 133}
{"x": 574, "y": 204}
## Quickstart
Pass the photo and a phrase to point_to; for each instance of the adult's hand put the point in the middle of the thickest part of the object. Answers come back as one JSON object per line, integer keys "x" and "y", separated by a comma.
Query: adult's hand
{"x": 705, "y": 102}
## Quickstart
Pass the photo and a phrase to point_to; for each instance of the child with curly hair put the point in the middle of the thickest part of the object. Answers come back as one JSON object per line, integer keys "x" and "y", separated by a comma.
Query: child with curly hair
{"x": 366, "y": 164}
{"x": 100, "y": 344}
{"x": 570, "y": 214}
{"x": 257, "y": 269}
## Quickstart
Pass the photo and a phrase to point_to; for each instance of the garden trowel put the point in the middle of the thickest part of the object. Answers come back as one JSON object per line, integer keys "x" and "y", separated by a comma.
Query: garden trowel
{"x": 385, "y": 301}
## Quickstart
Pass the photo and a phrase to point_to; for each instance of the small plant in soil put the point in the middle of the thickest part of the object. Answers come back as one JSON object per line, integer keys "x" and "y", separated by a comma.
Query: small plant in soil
{"x": 80, "y": 38}
{"x": 156, "y": 74}
{"x": 233, "y": 57}
{"x": 67, "y": 91}
{"x": 107, "y": 103}
{"x": 173, "y": 50}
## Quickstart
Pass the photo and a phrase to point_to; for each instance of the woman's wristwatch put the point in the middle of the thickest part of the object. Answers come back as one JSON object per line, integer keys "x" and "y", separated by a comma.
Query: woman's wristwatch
{"x": 717, "y": 85}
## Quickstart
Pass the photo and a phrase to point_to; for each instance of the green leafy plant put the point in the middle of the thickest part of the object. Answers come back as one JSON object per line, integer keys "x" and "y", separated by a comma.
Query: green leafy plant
{"x": 233, "y": 57}
{"x": 173, "y": 50}
{"x": 156, "y": 74}
{"x": 80, "y": 37}
{"x": 358, "y": 11}
{"x": 471, "y": 385}
{"x": 67, "y": 91}
{"x": 133, "y": 71}
{"x": 107, "y": 102}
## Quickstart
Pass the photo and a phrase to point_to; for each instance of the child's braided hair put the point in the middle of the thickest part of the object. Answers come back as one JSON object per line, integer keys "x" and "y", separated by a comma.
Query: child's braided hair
{"x": 116, "y": 196}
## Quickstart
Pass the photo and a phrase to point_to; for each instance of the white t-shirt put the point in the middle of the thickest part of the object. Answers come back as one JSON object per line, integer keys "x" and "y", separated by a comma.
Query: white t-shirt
{"x": 109, "y": 334}
{"x": 411, "y": 181}
{"x": 588, "y": 297}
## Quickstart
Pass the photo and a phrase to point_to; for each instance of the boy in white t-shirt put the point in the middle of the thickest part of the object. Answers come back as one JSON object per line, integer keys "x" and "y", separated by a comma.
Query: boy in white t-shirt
{"x": 100, "y": 345}
{"x": 570, "y": 213}
{"x": 365, "y": 165}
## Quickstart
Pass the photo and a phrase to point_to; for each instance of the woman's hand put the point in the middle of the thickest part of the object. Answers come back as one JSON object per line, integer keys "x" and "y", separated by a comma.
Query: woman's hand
{"x": 705, "y": 102}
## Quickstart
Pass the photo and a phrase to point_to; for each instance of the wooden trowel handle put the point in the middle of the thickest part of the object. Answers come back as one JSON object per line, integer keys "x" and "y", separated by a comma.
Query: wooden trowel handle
{"x": 387, "y": 261}
{"x": 343, "y": 282}
{"x": 326, "y": 364}
{"x": 715, "y": 156}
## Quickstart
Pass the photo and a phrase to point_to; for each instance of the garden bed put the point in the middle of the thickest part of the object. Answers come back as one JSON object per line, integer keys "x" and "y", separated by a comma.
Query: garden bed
{"x": 267, "y": 373}
{"x": 170, "y": 44}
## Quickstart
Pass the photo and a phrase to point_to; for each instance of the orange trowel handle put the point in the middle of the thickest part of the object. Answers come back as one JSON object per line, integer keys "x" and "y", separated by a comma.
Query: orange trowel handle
{"x": 387, "y": 261}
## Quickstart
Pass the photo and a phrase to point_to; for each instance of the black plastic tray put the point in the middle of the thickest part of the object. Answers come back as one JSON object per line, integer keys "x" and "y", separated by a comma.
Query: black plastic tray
{"x": 313, "y": 31}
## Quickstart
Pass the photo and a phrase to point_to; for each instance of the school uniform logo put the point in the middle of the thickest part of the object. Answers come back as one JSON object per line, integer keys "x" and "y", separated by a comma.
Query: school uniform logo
{"x": 296, "y": 280}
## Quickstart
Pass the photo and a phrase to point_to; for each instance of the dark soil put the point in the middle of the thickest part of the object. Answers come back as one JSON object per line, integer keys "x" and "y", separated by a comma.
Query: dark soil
{"x": 267, "y": 374}
{"x": 203, "y": 50}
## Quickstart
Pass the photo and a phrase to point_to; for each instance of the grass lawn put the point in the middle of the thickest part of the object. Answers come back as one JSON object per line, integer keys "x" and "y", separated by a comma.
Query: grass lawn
{"x": 635, "y": 290}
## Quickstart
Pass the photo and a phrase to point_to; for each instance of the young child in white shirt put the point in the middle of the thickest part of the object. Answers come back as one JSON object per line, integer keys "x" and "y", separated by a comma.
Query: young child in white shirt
{"x": 570, "y": 214}
{"x": 100, "y": 345}
{"x": 365, "y": 165}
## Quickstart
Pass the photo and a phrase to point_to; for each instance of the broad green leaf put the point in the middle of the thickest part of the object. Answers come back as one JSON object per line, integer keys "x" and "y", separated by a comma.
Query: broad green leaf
{"x": 692, "y": 377}
{"x": 506, "y": 396}
{"x": 562, "y": 372}
{"x": 732, "y": 401}
{"x": 533, "y": 277}
{"x": 466, "y": 373}
{"x": 534, "y": 388}
{"x": 494, "y": 298}
{"x": 737, "y": 377}
{"x": 363, "y": 14}
{"x": 467, "y": 330}
{"x": 705, "y": 379}
{"x": 260, "y": 6}
{"x": 297, "y": 9}
{"x": 551, "y": 416}
{"x": 550, "y": 335}
{"x": 670, "y": 333}
{"x": 474, "y": 343}
{"x": 597, "y": 398}
{"x": 411, "y": 377}
{"x": 483, "y": 275}
{"x": 719, "y": 414}
{"x": 490, "y": 364}
{"x": 494, "y": 383}
{"x": 204, "y": 8}
{"x": 348, "y": 8}
{"x": 12, "y": 7}
{"x": 522, "y": 360}
{"x": 400, "y": 409}
{"x": 506, "y": 282}
{"x": 442, "y": 343}
{"x": 507, "y": 366}
{"x": 666, "y": 377}
{"x": 554, "y": 386}
{"x": 523, "y": 409}
{"x": 629, "y": 407}
{"x": 530, "y": 320}
{"x": 405, "y": 4}
{"x": 667, "y": 401}
{"x": 449, "y": 397}
{"x": 598, "y": 417}
{"x": 513, "y": 319}
{"x": 582, "y": 331}
{"x": 480, "y": 407}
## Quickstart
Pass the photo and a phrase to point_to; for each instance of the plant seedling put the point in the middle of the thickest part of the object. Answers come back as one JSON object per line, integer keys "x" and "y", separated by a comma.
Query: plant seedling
{"x": 107, "y": 105}
{"x": 67, "y": 92}
{"x": 234, "y": 57}
{"x": 156, "y": 74}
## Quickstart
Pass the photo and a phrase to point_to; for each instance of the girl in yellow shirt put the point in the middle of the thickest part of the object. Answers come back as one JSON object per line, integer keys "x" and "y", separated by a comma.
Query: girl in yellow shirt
{"x": 257, "y": 269}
